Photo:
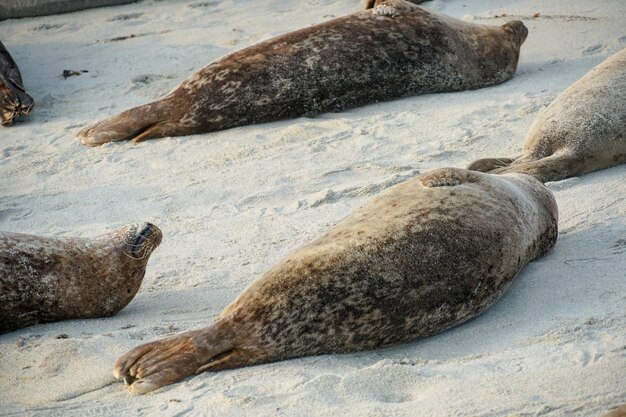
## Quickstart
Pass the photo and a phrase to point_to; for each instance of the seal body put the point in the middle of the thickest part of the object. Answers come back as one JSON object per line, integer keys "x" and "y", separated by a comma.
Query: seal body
{"x": 582, "y": 130}
{"x": 11, "y": 9}
{"x": 393, "y": 50}
{"x": 46, "y": 279}
{"x": 13, "y": 98}
{"x": 425, "y": 255}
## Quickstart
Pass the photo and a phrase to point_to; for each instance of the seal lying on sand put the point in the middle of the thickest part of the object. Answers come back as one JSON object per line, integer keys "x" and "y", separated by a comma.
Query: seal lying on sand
{"x": 394, "y": 50}
{"x": 11, "y": 9}
{"x": 13, "y": 98}
{"x": 582, "y": 130}
{"x": 425, "y": 255}
{"x": 45, "y": 279}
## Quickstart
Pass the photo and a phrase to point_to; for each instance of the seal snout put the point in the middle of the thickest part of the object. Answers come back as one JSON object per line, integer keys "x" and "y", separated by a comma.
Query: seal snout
{"x": 147, "y": 238}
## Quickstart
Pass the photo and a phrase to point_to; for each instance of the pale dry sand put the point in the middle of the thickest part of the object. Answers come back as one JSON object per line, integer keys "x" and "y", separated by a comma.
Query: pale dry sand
{"x": 232, "y": 203}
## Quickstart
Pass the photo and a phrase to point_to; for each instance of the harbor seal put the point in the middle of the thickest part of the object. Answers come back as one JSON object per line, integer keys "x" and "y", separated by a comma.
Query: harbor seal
{"x": 45, "y": 279}
{"x": 11, "y": 9}
{"x": 393, "y": 50}
{"x": 582, "y": 130}
{"x": 13, "y": 98}
{"x": 425, "y": 255}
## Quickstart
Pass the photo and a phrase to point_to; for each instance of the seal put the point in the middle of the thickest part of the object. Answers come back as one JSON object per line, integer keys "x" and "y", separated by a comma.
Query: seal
{"x": 11, "y": 9}
{"x": 425, "y": 255}
{"x": 45, "y": 279}
{"x": 13, "y": 98}
{"x": 393, "y": 50}
{"x": 582, "y": 130}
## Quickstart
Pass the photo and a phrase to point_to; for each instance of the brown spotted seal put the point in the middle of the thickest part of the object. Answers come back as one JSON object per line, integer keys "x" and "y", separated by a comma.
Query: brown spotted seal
{"x": 423, "y": 256}
{"x": 13, "y": 98}
{"x": 394, "y": 50}
{"x": 582, "y": 130}
{"x": 46, "y": 279}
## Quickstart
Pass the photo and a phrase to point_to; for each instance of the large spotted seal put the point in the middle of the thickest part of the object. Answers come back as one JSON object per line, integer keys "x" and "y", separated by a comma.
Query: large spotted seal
{"x": 13, "y": 98}
{"x": 425, "y": 255}
{"x": 46, "y": 279}
{"x": 582, "y": 130}
{"x": 395, "y": 49}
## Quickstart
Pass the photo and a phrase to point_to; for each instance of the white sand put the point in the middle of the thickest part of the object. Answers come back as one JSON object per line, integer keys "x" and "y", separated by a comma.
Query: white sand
{"x": 232, "y": 203}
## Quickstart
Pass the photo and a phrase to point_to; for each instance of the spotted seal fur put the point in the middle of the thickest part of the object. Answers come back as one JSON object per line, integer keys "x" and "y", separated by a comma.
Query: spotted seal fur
{"x": 425, "y": 255}
{"x": 393, "y": 50}
{"x": 45, "y": 279}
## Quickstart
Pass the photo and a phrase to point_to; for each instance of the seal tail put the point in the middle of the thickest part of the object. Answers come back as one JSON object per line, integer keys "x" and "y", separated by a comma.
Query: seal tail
{"x": 136, "y": 124}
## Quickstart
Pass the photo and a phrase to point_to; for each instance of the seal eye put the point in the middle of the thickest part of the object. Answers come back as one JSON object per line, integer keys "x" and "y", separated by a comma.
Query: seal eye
{"x": 128, "y": 291}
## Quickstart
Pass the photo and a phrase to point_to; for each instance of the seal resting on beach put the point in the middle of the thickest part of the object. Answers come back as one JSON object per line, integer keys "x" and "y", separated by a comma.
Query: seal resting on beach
{"x": 582, "y": 130}
{"x": 13, "y": 98}
{"x": 45, "y": 279}
{"x": 393, "y": 50}
{"x": 11, "y": 9}
{"x": 423, "y": 256}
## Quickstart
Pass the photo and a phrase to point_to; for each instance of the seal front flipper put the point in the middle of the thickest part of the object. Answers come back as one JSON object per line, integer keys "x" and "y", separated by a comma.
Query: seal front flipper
{"x": 447, "y": 177}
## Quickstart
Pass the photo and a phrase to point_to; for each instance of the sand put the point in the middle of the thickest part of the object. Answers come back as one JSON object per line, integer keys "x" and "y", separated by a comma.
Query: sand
{"x": 232, "y": 203}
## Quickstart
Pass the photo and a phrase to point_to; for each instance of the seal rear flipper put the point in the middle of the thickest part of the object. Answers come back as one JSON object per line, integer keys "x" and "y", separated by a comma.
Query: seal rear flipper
{"x": 156, "y": 364}
{"x": 552, "y": 168}
{"x": 489, "y": 164}
{"x": 139, "y": 123}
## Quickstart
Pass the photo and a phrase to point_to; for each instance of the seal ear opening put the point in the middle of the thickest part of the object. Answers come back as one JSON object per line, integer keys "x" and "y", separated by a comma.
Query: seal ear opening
{"x": 517, "y": 28}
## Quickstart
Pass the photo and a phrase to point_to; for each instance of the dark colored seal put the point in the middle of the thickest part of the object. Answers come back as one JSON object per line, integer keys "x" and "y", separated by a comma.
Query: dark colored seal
{"x": 13, "y": 98}
{"x": 582, "y": 130}
{"x": 46, "y": 279}
{"x": 426, "y": 255}
{"x": 394, "y": 50}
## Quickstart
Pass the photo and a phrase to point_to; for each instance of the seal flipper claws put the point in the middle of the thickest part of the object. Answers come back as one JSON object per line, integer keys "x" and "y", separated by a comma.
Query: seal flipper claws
{"x": 445, "y": 177}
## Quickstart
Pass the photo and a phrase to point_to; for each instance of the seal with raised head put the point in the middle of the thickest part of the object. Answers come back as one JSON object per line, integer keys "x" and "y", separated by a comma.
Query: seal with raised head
{"x": 393, "y": 50}
{"x": 425, "y": 255}
{"x": 582, "y": 130}
{"x": 46, "y": 279}
{"x": 13, "y": 98}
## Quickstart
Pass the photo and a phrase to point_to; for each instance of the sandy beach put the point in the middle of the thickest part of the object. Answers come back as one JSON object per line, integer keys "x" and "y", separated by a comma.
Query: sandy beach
{"x": 233, "y": 203}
